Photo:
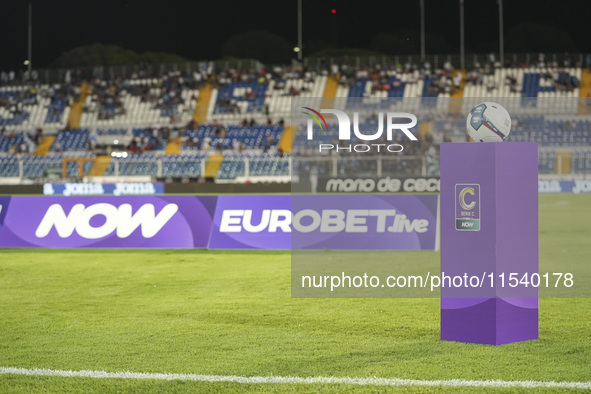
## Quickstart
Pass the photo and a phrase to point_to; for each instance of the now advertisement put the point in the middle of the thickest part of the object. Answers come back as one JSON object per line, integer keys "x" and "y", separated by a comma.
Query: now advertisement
{"x": 106, "y": 222}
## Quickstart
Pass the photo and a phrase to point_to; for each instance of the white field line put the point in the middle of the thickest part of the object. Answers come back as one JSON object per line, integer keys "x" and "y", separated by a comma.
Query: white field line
{"x": 292, "y": 379}
{"x": 554, "y": 204}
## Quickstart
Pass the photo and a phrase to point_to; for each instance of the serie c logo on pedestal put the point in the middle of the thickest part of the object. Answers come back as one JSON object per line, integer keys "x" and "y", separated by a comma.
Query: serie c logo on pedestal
{"x": 467, "y": 207}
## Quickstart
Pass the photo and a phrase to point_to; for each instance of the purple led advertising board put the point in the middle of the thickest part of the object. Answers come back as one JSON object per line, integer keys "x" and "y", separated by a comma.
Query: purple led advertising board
{"x": 106, "y": 222}
{"x": 364, "y": 222}
{"x": 252, "y": 222}
{"x": 339, "y": 222}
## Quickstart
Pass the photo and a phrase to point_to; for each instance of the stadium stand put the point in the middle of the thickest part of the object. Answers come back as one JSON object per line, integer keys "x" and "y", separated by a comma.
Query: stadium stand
{"x": 140, "y": 101}
{"x": 71, "y": 141}
{"x": 142, "y": 114}
{"x": 235, "y": 165}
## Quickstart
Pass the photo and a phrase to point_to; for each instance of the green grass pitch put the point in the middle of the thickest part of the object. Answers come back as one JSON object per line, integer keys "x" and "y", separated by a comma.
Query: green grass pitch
{"x": 230, "y": 313}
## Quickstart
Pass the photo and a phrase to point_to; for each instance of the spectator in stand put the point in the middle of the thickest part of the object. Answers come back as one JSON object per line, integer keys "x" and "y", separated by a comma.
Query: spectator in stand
{"x": 157, "y": 136}
{"x": 195, "y": 143}
{"x": 334, "y": 69}
{"x": 165, "y": 133}
{"x": 219, "y": 147}
{"x": 197, "y": 79}
{"x": 22, "y": 148}
{"x": 192, "y": 125}
{"x": 457, "y": 79}
{"x": 267, "y": 144}
{"x": 38, "y": 136}
{"x": 490, "y": 85}
{"x": 279, "y": 84}
{"x": 446, "y": 137}
{"x": 432, "y": 161}
{"x": 133, "y": 147}
{"x": 207, "y": 144}
{"x": 250, "y": 94}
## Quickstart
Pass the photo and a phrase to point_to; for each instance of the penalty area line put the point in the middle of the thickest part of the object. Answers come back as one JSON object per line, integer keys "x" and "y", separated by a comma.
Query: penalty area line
{"x": 374, "y": 381}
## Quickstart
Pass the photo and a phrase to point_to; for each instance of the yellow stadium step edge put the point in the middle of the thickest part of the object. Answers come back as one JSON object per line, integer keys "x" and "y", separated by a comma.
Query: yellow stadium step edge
{"x": 214, "y": 162}
{"x": 585, "y": 94}
{"x": 563, "y": 162}
{"x": 44, "y": 146}
{"x": 286, "y": 141}
{"x": 101, "y": 163}
{"x": 330, "y": 91}
{"x": 75, "y": 117}
{"x": 457, "y": 93}
{"x": 173, "y": 147}
{"x": 200, "y": 114}
{"x": 425, "y": 128}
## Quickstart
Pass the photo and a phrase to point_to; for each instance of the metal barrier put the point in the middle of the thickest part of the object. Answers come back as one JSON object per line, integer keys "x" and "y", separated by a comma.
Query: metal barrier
{"x": 560, "y": 162}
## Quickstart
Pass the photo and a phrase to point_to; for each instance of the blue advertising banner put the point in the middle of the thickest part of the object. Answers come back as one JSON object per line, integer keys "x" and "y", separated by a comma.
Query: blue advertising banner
{"x": 555, "y": 186}
{"x": 99, "y": 189}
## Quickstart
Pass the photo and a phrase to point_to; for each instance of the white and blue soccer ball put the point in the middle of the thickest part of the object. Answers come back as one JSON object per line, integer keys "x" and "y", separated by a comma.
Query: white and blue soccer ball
{"x": 488, "y": 122}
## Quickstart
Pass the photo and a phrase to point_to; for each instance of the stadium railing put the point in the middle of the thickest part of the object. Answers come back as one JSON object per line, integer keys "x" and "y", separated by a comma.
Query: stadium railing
{"x": 436, "y": 60}
{"x": 559, "y": 163}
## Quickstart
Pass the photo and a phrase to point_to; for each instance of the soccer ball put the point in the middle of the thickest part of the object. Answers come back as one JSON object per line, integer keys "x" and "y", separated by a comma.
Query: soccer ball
{"x": 488, "y": 122}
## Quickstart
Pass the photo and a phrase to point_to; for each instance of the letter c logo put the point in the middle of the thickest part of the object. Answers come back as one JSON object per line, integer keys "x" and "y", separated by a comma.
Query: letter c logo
{"x": 467, "y": 190}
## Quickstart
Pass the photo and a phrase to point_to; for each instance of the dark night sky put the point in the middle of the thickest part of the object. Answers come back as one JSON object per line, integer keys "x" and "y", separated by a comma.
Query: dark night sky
{"x": 197, "y": 29}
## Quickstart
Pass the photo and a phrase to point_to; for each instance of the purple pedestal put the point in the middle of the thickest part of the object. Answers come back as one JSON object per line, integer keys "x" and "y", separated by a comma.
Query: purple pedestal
{"x": 489, "y": 231}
